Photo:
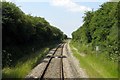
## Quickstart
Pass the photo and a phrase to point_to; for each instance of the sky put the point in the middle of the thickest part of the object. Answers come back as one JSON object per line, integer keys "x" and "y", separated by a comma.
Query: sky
{"x": 63, "y": 14}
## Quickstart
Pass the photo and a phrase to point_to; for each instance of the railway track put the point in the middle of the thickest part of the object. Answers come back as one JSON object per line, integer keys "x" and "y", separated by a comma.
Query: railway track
{"x": 58, "y": 64}
{"x": 54, "y": 67}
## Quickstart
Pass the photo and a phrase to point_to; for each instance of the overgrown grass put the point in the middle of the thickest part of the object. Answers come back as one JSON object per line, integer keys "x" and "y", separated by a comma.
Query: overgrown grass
{"x": 25, "y": 65}
{"x": 96, "y": 66}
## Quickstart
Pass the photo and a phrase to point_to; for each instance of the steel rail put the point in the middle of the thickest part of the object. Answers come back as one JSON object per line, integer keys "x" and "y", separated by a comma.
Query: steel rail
{"x": 61, "y": 70}
{"x": 41, "y": 78}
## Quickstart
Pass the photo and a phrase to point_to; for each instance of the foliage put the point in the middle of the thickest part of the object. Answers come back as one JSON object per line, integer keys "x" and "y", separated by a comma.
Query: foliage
{"x": 100, "y": 28}
{"x": 23, "y": 33}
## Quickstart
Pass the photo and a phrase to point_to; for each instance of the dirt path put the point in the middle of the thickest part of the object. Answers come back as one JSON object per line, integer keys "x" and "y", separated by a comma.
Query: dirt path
{"x": 71, "y": 66}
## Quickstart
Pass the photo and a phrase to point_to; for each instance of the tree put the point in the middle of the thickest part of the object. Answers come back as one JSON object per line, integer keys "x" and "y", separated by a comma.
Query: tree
{"x": 21, "y": 32}
{"x": 100, "y": 28}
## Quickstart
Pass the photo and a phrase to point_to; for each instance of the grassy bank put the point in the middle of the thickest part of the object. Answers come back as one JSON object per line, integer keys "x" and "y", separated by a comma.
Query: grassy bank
{"x": 24, "y": 65}
{"x": 96, "y": 66}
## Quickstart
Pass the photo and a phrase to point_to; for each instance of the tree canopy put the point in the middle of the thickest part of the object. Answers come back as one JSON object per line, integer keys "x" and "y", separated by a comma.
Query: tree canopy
{"x": 100, "y": 28}
{"x": 19, "y": 30}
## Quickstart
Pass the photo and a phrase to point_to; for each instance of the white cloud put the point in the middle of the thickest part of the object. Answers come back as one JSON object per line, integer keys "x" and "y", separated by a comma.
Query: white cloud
{"x": 70, "y": 5}
{"x": 27, "y": 0}
{"x": 114, "y": 0}
{"x": 64, "y": 0}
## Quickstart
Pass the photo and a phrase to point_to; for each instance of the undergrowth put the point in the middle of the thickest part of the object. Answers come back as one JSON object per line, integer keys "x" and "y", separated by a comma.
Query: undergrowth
{"x": 95, "y": 63}
{"x": 24, "y": 65}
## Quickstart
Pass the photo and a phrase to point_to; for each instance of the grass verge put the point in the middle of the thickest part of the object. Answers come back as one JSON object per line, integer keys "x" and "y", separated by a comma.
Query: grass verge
{"x": 25, "y": 65}
{"x": 95, "y": 66}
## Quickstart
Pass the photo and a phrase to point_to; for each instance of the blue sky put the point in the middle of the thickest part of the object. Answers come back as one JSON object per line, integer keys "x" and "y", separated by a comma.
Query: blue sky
{"x": 67, "y": 16}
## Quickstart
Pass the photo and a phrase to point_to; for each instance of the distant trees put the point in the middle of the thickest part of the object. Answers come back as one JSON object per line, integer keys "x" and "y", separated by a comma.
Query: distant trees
{"x": 65, "y": 36}
{"x": 20, "y": 30}
{"x": 100, "y": 28}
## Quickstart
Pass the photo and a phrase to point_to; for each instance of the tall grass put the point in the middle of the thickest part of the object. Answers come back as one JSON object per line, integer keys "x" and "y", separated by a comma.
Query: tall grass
{"x": 96, "y": 66}
{"x": 24, "y": 66}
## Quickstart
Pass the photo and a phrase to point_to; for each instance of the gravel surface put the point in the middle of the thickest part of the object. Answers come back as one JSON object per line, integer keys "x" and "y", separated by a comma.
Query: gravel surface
{"x": 38, "y": 70}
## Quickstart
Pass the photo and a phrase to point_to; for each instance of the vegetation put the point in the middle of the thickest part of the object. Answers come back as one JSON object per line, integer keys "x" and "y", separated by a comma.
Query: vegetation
{"x": 25, "y": 65}
{"x": 23, "y": 34}
{"x": 100, "y": 29}
{"x": 95, "y": 66}
{"x": 98, "y": 39}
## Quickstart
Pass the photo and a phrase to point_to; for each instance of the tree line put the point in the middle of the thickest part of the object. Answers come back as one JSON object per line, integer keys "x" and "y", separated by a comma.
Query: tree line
{"x": 21, "y": 33}
{"x": 100, "y": 28}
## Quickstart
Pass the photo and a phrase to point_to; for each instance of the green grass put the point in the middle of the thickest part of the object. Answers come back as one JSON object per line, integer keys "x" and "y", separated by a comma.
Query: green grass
{"x": 24, "y": 66}
{"x": 95, "y": 66}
